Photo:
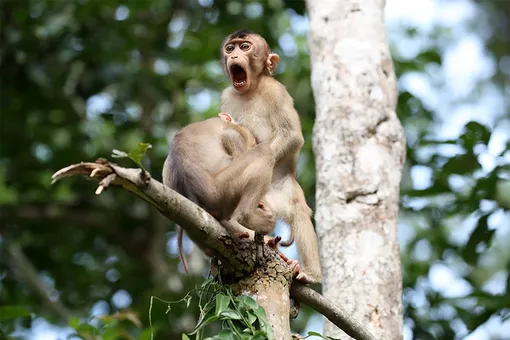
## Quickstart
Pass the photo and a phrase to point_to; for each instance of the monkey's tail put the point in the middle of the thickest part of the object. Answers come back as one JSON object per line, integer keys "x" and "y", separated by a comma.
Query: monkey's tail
{"x": 180, "y": 232}
{"x": 289, "y": 241}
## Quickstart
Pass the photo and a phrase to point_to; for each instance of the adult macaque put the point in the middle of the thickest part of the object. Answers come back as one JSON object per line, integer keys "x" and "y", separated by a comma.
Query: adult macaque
{"x": 262, "y": 104}
{"x": 217, "y": 164}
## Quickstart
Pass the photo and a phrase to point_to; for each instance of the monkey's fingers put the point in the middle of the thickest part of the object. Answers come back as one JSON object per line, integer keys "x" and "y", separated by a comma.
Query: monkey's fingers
{"x": 285, "y": 258}
{"x": 242, "y": 235}
{"x": 273, "y": 242}
{"x": 297, "y": 273}
{"x": 296, "y": 268}
{"x": 301, "y": 276}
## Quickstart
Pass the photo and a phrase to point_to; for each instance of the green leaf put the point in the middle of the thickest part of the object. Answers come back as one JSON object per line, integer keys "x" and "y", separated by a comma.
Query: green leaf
{"x": 475, "y": 133}
{"x": 184, "y": 337}
{"x": 260, "y": 335}
{"x": 319, "y": 335}
{"x": 481, "y": 235}
{"x": 222, "y": 303}
{"x": 230, "y": 314}
{"x": 251, "y": 317}
{"x": 310, "y": 333}
{"x": 137, "y": 153}
{"x": 461, "y": 164}
{"x": 74, "y": 322}
{"x": 247, "y": 300}
{"x": 204, "y": 323}
{"x": 227, "y": 334}
{"x": 430, "y": 56}
{"x": 145, "y": 334}
{"x": 13, "y": 312}
{"x": 260, "y": 313}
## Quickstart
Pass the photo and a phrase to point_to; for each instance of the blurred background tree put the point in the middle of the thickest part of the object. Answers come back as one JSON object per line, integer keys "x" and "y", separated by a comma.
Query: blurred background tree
{"x": 82, "y": 77}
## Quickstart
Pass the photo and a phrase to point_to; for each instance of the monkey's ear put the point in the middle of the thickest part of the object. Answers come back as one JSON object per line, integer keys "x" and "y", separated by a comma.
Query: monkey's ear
{"x": 272, "y": 62}
{"x": 226, "y": 117}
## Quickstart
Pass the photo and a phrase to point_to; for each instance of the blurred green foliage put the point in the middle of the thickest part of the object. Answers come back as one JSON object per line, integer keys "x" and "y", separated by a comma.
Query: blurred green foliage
{"x": 80, "y": 78}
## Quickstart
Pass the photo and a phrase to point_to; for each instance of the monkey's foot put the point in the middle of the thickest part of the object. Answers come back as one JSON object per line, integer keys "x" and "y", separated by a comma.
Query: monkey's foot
{"x": 243, "y": 234}
{"x": 273, "y": 242}
{"x": 296, "y": 270}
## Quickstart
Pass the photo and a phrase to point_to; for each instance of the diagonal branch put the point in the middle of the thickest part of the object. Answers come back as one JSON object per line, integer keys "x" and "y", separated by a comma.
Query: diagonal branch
{"x": 24, "y": 270}
{"x": 335, "y": 314}
{"x": 205, "y": 229}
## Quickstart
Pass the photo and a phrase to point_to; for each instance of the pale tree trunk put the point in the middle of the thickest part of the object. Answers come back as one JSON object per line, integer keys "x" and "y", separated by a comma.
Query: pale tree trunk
{"x": 359, "y": 147}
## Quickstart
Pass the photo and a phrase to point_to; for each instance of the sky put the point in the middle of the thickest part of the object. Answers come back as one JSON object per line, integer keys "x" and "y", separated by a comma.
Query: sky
{"x": 466, "y": 63}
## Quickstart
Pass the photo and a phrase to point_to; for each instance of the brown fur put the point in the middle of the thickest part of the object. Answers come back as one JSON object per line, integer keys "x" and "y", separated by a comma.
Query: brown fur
{"x": 217, "y": 165}
{"x": 263, "y": 105}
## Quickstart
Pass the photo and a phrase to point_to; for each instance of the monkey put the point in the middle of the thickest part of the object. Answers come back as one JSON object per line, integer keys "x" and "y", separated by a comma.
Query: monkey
{"x": 262, "y": 104}
{"x": 218, "y": 165}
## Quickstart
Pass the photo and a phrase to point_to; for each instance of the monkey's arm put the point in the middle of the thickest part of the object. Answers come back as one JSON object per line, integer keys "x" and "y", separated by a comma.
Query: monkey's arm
{"x": 233, "y": 142}
{"x": 287, "y": 144}
{"x": 283, "y": 146}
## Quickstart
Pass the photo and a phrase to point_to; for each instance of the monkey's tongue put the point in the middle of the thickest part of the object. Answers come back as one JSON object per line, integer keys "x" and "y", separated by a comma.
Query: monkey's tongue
{"x": 238, "y": 75}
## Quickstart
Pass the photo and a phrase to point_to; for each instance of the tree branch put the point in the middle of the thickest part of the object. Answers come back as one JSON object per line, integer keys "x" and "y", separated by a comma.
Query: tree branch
{"x": 25, "y": 271}
{"x": 209, "y": 233}
{"x": 335, "y": 314}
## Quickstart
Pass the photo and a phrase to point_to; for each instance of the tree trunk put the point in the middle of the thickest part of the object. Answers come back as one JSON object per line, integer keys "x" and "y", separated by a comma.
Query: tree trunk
{"x": 359, "y": 147}
{"x": 269, "y": 287}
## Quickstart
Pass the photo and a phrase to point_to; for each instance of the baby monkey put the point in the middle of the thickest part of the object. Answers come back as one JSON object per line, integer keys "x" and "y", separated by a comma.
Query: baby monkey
{"x": 218, "y": 165}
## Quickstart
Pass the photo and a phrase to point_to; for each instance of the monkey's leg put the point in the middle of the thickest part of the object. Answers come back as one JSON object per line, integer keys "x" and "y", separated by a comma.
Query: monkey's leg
{"x": 305, "y": 235}
{"x": 290, "y": 205}
{"x": 233, "y": 142}
{"x": 249, "y": 175}
{"x": 256, "y": 182}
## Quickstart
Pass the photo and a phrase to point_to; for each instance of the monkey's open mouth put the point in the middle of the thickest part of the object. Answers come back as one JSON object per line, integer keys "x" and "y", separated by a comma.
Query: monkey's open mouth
{"x": 238, "y": 75}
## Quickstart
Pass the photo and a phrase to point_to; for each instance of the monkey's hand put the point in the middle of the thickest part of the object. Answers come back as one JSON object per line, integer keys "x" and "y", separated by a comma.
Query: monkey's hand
{"x": 296, "y": 268}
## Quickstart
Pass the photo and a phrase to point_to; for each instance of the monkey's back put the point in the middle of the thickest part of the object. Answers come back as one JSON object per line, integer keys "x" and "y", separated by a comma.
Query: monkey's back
{"x": 195, "y": 156}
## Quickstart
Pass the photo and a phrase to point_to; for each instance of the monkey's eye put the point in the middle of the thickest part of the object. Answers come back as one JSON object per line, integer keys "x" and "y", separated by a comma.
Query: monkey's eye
{"x": 245, "y": 46}
{"x": 229, "y": 48}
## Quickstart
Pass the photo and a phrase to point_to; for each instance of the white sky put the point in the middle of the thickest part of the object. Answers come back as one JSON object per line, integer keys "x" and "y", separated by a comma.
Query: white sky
{"x": 466, "y": 63}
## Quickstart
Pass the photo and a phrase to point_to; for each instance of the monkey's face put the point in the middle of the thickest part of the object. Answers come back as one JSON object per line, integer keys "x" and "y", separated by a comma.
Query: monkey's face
{"x": 244, "y": 61}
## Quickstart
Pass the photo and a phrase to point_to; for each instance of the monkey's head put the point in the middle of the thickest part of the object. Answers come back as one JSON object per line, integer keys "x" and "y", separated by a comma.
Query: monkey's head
{"x": 262, "y": 218}
{"x": 247, "y": 57}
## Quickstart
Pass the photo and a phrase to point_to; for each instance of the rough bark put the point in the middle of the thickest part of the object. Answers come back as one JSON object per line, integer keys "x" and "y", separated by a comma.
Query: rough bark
{"x": 359, "y": 148}
{"x": 270, "y": 289}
